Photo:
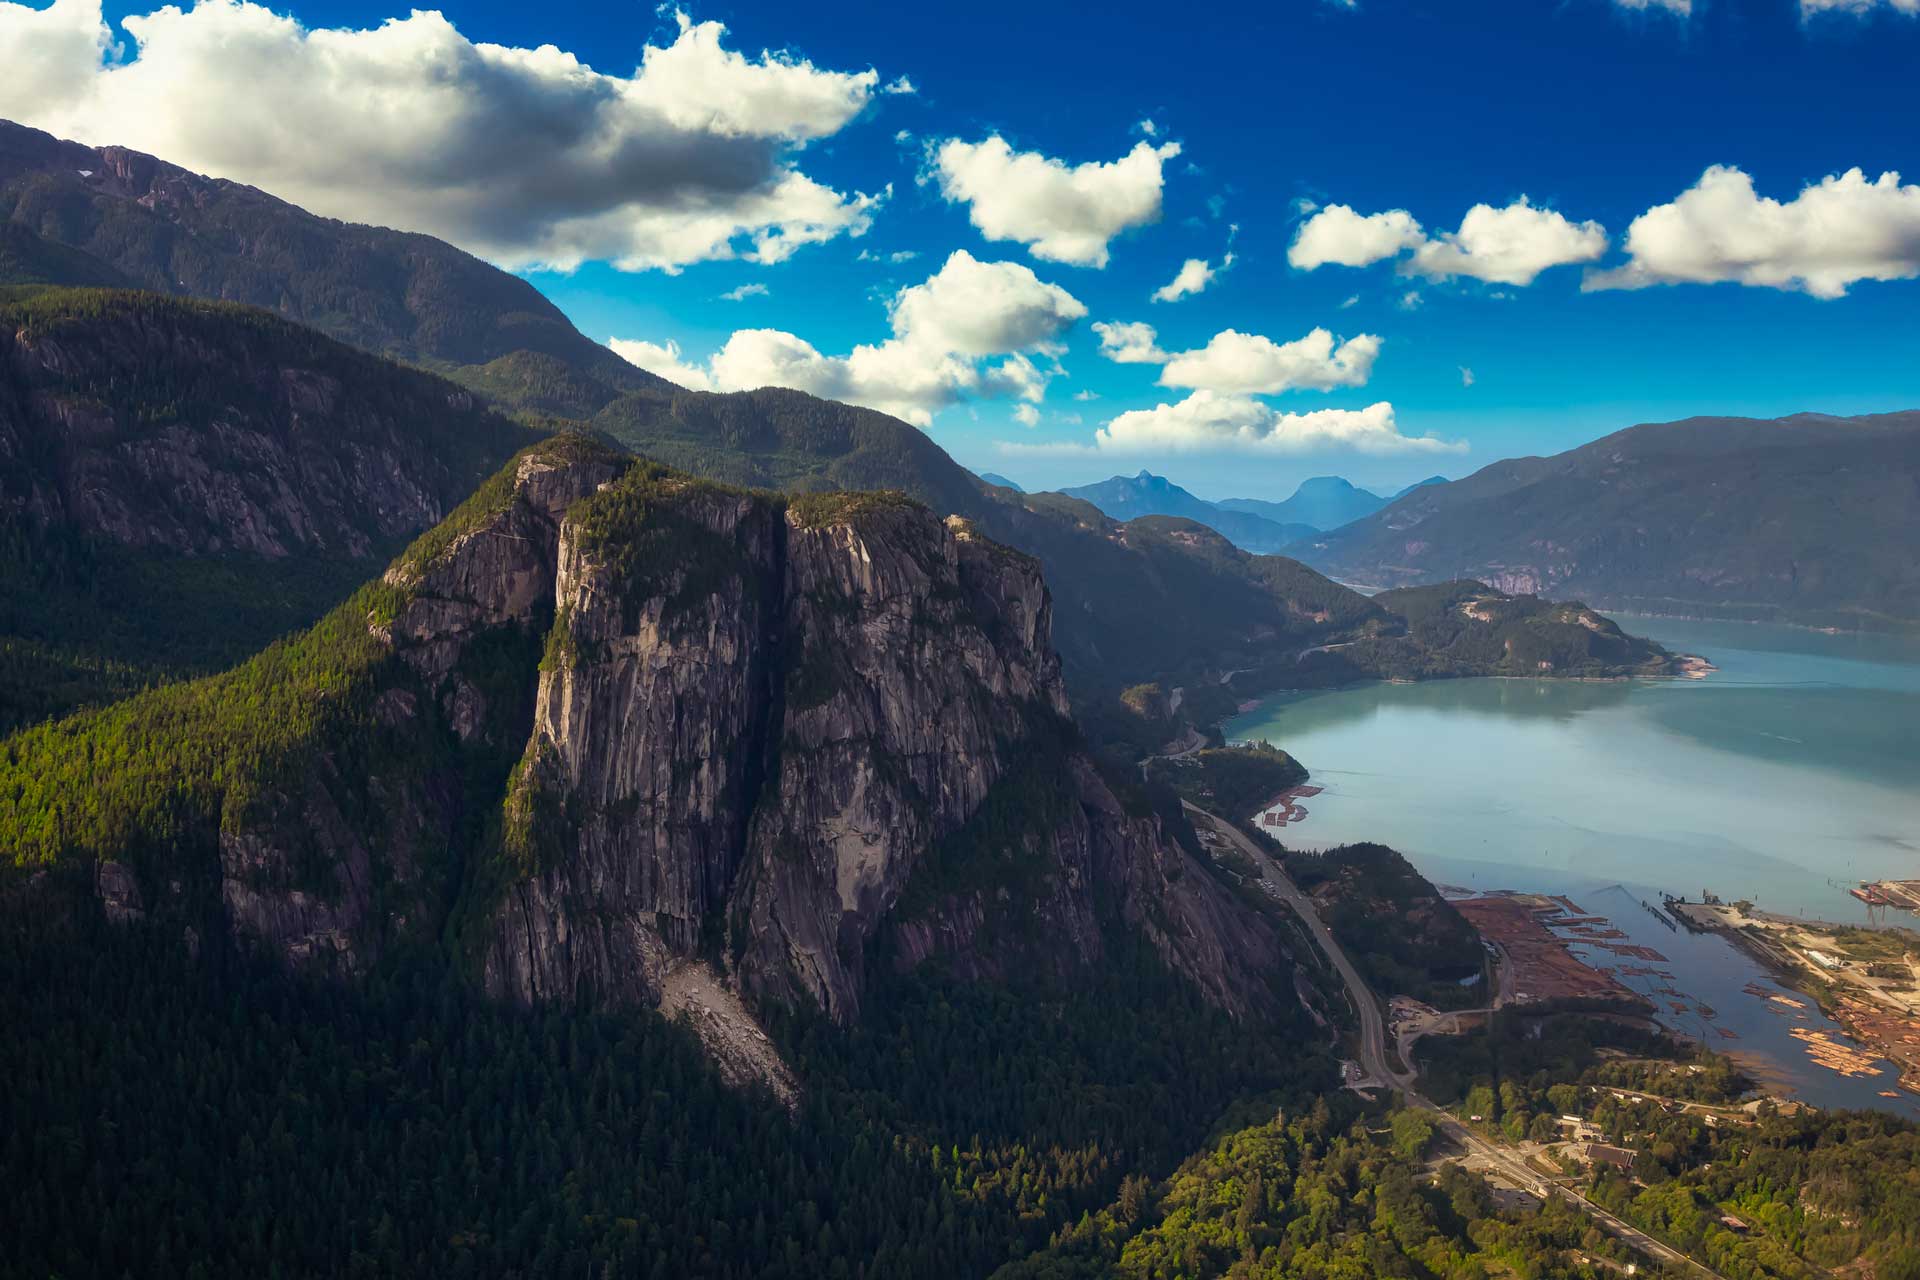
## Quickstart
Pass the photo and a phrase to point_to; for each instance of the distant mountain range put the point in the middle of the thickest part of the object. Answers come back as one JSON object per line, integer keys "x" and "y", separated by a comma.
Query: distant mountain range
{"x": 1133, "y": 603}
{"x": 1157, "y": 599}
{"x": 1810, "y": 519}
{"x": 1323, "y": 502}
{"x": 1160, "y": 597}
{"x": 1252, "y": 524}
{"x": 1130, "y": 497}
{"x": 993, "y": 478}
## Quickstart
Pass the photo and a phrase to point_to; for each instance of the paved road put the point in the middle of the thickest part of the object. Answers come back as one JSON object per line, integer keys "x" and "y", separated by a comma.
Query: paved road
{"x": 1373, "y": 1030}
{"x": 1373, "y": 1058}
{"x": 1524, "y": 1175}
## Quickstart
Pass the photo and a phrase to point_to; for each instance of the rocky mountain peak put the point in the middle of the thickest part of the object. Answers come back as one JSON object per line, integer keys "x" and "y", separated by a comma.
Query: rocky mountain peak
{"x": 625, "y": 735}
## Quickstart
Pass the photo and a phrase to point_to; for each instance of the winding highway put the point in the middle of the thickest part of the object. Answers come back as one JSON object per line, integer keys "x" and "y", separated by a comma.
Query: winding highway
{"x": 1373, "y": 1028}
{"x": 1373, "y": 1060}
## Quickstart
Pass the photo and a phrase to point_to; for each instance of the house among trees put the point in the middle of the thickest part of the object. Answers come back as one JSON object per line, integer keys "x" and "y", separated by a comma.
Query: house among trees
{"x": 1613, "y": 1157}
{"x": 1578, "y": 1130}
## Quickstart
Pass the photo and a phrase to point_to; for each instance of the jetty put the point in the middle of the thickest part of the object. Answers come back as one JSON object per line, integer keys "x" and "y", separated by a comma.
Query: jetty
{"x": 1904, "y": 894}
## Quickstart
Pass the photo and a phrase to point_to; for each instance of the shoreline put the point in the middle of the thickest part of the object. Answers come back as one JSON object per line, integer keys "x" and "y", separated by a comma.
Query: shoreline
{"x": 1895, "y": 627}
{"x": 1843, "y": 1009}
{"x": 1694, "y": 666}
{"x": 1890, "y": 626}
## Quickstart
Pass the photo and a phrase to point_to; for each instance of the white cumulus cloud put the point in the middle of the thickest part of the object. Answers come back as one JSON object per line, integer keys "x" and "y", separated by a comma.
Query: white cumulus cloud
{"x": 1129, "y": 342}
{"x": 1221, "y": 411}
{"x": 970, "y": 329}
{"x": 1209, "y": 421}
{"x": 1337, "y": 236}
{"x": 1195, "y": 274}
{"x": 744, "y": 292}
{"x": 1510, "y": 245}
{"x": 1836, "y": 232}
{"x": 527, "y": 156}
{"x": 1680, "y": 7}
{"x": 1062, "y": 213}
{"x": 1235, "y": 363}
{"x": 1810, "y": 8}
{"x": 662, "y": 358}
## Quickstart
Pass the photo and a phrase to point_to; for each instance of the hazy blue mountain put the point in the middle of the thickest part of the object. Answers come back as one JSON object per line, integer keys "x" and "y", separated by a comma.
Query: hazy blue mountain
{"x": 1419, "y": 484}
{"x": 1324, "y": 502}
{"x": 1129, "y": 497}
{"x": 992, "y": 477}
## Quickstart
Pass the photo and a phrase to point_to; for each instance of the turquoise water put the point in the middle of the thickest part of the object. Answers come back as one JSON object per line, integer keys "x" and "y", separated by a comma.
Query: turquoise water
{"x": 1786, "y": 777}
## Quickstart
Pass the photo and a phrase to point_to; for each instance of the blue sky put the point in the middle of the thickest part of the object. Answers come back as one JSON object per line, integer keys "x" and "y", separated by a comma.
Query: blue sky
{"x": 1591, "y": 110}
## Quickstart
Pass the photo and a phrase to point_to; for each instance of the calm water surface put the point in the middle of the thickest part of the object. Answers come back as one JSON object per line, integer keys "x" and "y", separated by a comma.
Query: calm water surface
{"x": 1786, "y": 777}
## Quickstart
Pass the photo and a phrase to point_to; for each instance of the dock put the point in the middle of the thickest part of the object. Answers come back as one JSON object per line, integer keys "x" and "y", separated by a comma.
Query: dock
{"x": 1904, "y": 894}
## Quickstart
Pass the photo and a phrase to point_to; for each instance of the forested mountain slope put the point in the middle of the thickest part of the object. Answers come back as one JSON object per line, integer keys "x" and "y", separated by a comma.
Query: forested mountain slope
{"x": 1810, "y": 519}
{"x": 26, "y": 257}
{"x": 412, "y": 297}
{"x": 608, "y": 722}
{"x": 180, "y": 482}
{"x": 613, "y": 738}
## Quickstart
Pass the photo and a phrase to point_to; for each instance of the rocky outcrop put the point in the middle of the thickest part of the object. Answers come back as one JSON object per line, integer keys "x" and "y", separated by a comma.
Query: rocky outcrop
{"x": 327, "y": 867}
{"x": 758, "y": 736}
{"x": 1094, "y": 865}
{"x": 629, "y": 812}
{"x": 763, "y": 723}
{"x": 620, "y": 734}
{"x": 1229, "y": 952}
{"x": 497, "y": 571}
{"x": 921, "y": 662}
{"x": 297, "y": 874}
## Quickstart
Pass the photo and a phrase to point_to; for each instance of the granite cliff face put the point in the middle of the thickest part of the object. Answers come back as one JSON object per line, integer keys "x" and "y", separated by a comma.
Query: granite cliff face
{"x": 616, "y": 733}
{"x": 749, "y": 759}
{"x": 356, "y": 849}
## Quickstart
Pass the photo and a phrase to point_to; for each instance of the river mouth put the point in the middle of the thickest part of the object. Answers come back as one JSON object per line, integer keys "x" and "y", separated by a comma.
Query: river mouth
{"x": 1785, "y": 778}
